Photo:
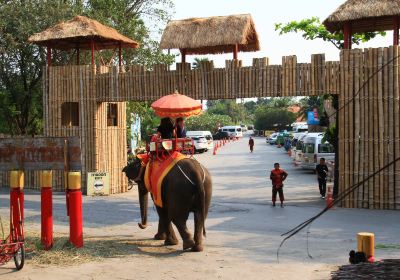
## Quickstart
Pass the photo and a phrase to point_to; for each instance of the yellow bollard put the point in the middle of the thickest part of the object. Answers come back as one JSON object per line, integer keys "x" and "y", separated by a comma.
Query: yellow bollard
{"x": 74, "y": 180}
{"x": 366, "y": 243}
{"x": 46, "y": 179}
{"x": 17, "y": 179}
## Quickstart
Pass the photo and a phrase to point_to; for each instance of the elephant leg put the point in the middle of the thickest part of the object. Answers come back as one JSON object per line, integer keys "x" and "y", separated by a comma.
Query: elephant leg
{"x": 187, "y": 238}
{"x": 171, "y": 237}
{"x": 165, "y": 229}
{"x": 198, "y": 233}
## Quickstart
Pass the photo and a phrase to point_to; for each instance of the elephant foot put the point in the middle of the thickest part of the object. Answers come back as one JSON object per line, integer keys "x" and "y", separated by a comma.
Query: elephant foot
{"x": 142, "y": 226}
{"x": 197, "y": 248}
{"x": 160, "y": 236}
{"x": 170, "y": 241}
{"x": 187, "y": 244}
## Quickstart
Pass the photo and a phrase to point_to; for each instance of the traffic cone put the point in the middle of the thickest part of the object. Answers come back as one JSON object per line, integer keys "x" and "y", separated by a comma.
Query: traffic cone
{"x": 329, "y": 197}
{"x": 215, "y": 150}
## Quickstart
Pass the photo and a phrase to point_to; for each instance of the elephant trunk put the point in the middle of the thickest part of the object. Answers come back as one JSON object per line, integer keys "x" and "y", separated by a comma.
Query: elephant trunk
{"x": 143, "y": 201}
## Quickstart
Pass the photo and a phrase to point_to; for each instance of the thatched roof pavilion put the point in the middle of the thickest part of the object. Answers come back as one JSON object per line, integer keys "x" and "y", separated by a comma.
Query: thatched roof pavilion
{"x": 82, "y": 33}
{"x": 357, "y": 16}
{"x": 212, "y": 35}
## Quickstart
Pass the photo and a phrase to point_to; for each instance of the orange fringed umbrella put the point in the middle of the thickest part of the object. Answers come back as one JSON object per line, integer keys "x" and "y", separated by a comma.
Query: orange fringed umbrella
{"x": 176, "y": 105}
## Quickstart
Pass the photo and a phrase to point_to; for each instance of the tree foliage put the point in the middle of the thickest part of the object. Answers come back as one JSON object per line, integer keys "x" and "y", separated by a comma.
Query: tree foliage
{"x": 267, "y": 118}
{"x": 21, "y": 63}
{"x": 207, "y": 122}
{"x": 236, "y": 111}
{"x": 312, "y": 29}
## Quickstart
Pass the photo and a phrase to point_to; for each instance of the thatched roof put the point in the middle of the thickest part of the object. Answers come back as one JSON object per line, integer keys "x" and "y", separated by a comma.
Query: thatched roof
{"x": 364, "y": 15}
{"x": 79, "y": 32}
{"x": 211, "y": 35}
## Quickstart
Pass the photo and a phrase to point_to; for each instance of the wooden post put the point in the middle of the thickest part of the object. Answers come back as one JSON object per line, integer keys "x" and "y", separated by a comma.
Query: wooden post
{"x": 120, "y": 54}
{"x": 235, "y": 51}
{"x": 347, "y": 35}
{"x": 77, "y": 56}
{"x": 183, "y": 55}
{"x": 92, "y": 46}
{"x": 48, "y": 56}
{"x": 396, "y": 31}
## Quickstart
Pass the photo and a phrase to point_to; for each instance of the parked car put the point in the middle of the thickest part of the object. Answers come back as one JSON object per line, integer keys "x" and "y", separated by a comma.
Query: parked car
{"x": 234, "y": 131}
{"x": 220, "y": 135}
{"x": 206, "y": 134}
{"x": 200, "y": 144}
{"x": 314, "y": 149}
{"x": 297, "y": 153}
{"x": 272, "y": 139}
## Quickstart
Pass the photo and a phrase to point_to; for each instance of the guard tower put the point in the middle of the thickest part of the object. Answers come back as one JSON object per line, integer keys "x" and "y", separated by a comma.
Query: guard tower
{"x": 70, "y": 103}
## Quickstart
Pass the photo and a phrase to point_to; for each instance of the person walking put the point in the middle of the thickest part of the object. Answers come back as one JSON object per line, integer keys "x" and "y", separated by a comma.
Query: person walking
{"x": 322, "y": 172}
{"x": 251, "y": 144}
{"x": 278, "y": 176}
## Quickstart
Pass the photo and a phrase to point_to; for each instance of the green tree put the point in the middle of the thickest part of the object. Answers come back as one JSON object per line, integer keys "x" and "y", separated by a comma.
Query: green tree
{"x": 312, "y": 29}
{"x": 207, "y": 122}
{"x": 21, "y": 63}
{"x": 267, "y": 118}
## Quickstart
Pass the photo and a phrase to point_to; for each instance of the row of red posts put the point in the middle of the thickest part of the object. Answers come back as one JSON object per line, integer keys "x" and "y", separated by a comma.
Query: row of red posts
{"x": 220, "y": 143}
{"x": 74, "y": 206}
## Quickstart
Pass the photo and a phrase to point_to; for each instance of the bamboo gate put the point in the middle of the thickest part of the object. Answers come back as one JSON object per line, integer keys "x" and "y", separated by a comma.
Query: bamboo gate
{"x": 367, "y": 82}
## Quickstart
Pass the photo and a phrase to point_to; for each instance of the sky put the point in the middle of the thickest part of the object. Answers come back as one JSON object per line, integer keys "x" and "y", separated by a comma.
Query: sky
{"x": 265, "y": 14}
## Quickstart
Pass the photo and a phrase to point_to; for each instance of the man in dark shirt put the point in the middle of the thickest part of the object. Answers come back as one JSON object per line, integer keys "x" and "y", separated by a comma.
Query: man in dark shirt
{"x": 322, "y": 172}
{"x": 251, "y": 144}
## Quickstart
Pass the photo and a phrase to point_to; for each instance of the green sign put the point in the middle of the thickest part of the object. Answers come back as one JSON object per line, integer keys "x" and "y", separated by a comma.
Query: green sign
{"x": 98, "y": 183}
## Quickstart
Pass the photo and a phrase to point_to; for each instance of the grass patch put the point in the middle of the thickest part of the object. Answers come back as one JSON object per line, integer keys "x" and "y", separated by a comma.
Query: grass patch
{"x": 387, "y": 246}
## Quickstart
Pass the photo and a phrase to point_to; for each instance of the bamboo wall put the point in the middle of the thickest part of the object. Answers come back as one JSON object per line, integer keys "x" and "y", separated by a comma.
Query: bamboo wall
{"x": 369, "y": 135}
{"x": 367, "y": 82}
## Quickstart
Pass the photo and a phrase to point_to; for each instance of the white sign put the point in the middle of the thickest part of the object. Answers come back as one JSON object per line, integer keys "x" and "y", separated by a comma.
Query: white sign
{"x": 98, "y": 183}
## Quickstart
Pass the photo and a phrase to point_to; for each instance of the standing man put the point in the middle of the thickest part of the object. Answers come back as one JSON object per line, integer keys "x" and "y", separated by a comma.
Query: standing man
{"x": 278, "y": 176}
{"x": 322, "y": 172}
{"x": 251, "y": 144}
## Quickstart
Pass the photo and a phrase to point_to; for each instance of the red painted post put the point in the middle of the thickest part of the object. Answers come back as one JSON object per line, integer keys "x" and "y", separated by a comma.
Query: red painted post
{"x": 77, "y": 56}
{"x": 46, "y": 209}
{"x": 183, "y": 55}
{"x": 75, "y": 209}
{"x": 396, "y": 31}
{"x": 17, "y": 202}
{"x": 48, "y": 56}
{"x": 92, "y": 47}
{"x": 120, "y": 54}
{"x": 347, "y": 35}
{"x": 235, "y": 52}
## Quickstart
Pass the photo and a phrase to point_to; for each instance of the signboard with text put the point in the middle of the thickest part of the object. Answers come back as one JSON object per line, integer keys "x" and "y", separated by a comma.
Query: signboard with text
{"x": 98, "y": 183}
{"x": 41, "y": 153}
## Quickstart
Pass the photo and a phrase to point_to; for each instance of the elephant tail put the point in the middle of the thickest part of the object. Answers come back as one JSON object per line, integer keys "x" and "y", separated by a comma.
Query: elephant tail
{"x": 201, "y": 207}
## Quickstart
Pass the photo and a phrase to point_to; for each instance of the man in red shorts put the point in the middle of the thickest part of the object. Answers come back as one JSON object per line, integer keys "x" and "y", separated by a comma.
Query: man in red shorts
{"x": 277, "y": 177}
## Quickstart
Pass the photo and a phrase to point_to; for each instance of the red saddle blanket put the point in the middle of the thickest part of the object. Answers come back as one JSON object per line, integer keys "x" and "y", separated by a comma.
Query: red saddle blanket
{"x": 156, "y": 170}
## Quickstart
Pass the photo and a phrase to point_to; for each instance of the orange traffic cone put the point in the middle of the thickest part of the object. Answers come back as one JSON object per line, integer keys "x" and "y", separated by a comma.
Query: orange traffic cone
{"x": 215, "y": 150}
{"x": 329, "y": 198}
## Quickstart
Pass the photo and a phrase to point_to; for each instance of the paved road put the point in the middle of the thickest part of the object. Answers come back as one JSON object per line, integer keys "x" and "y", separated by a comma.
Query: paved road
{"x": 243, "y": 229}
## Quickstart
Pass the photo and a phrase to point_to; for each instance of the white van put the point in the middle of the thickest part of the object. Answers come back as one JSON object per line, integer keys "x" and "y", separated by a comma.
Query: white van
{"x": 298, "y": 153}
{"x": 296, "y": 146}
{"x": 206, "y": 134}
{"x": 314, "y": 149}
{"x": 234, "y": 131}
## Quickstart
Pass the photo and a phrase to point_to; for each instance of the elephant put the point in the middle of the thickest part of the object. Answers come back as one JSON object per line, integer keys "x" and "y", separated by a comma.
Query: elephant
{"x": 186, "y": 188}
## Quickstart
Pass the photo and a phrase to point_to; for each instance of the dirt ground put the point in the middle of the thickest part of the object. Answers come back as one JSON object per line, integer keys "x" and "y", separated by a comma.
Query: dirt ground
{"x": 243, "y": 230}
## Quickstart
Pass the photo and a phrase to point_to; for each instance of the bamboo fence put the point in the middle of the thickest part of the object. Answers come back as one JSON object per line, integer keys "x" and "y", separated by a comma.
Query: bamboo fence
{"x": 367, "y": 82}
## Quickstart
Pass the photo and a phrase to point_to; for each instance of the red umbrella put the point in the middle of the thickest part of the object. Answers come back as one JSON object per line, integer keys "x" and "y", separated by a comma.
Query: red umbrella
{"x": 176, "y": 105}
